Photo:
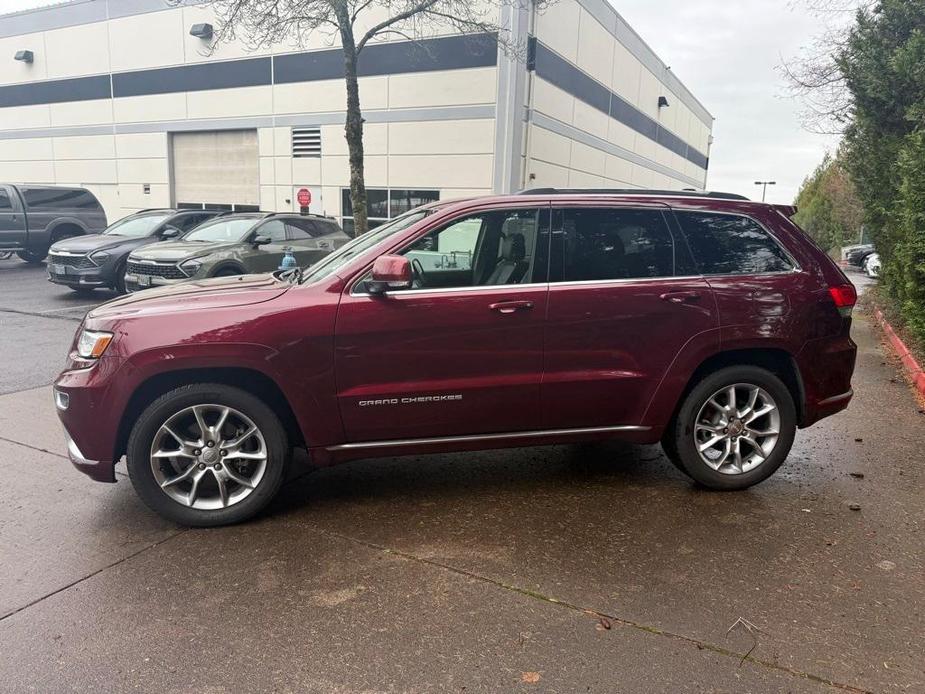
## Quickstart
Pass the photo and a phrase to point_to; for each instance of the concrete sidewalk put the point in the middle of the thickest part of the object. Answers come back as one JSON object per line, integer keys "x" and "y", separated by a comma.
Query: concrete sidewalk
{"x": 595, "y": 568}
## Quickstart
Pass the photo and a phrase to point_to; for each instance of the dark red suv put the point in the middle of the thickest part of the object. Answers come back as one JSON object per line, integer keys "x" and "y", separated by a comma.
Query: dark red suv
{"x": 704, "y": 321}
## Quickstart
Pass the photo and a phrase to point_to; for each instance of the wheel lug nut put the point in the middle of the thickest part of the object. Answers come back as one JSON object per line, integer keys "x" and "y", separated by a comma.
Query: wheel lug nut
{"x": 202, "y": 466}
{"x": 210, "y": 444}
{"x": 224, "y": 453}
{"x": 217, "y": 466}
{"x": 197, "y": 452}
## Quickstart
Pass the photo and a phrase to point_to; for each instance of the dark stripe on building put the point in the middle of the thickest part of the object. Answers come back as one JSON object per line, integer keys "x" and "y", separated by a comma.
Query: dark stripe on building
{"x": 251, "y": 72}
{"x": 445, "y": 53}
{"x": 55, "y": 91}
{"x": 558, "y": 71}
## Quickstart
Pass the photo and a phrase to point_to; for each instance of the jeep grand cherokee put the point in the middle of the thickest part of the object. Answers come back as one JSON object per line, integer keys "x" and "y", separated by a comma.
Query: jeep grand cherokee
{"x": 704, "y": 321}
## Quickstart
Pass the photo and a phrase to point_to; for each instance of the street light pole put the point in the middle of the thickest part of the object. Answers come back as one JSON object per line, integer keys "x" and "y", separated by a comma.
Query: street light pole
{"x": 764, "y": 190}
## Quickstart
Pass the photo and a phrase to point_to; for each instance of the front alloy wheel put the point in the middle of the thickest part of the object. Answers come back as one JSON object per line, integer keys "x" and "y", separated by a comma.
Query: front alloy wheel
{"x": 208, "y": 457}
{"x": 207, "y": 454}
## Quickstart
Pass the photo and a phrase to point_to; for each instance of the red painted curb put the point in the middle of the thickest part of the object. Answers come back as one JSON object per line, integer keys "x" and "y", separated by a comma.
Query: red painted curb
{"x": 915, "y": 371}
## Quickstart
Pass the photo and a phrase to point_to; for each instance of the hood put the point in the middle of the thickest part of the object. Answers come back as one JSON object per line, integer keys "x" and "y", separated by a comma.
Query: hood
{"x": 90, "y": 243}
{"x": 196, "y": 295}
{"x": 172, "y": 251}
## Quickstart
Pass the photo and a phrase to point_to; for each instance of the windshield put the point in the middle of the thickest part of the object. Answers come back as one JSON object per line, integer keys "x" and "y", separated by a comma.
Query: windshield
{"x": 222, "y": 230}
{"x": 136, "y": 226}
{"x": 337, "y": 259}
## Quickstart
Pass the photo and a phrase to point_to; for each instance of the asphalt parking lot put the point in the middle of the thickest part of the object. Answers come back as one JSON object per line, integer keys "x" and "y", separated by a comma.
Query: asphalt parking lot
{"x": 584, "y": 568}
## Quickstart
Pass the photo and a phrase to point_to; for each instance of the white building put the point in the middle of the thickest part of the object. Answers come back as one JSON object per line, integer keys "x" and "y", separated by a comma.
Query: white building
{"x": 118, "y": 96}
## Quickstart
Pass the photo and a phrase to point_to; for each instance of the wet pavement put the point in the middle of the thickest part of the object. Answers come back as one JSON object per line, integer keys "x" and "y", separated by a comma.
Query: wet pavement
{"x": 579, "y": 568}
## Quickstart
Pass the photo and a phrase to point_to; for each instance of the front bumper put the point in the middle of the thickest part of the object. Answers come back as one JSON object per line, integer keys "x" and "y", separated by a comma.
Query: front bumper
{"x": 98, "y": 470}
{"x": 79, "y": 277}
{"x": 90, "y": 414}
{"x": 135, "y": 283}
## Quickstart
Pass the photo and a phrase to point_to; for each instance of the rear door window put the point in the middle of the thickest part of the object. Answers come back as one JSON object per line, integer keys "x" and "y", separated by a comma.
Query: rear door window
{"x": 730, "y": 244}
{"x": 600, "y": 244}
{"x": 5, "y": 202}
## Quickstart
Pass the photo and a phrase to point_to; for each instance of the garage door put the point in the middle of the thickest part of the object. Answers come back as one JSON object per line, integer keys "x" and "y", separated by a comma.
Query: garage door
{"x": 216, "y": 168}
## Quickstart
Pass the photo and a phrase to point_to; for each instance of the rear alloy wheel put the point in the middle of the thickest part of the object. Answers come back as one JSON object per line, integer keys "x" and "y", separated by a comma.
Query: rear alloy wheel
{"x": 734, "y": 429}
{"x": 207, "y": 455}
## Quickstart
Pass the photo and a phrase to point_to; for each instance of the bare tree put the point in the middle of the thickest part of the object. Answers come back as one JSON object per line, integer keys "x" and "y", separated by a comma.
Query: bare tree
{"x": 355, "y": 24}
{"x": 815, "y": 77}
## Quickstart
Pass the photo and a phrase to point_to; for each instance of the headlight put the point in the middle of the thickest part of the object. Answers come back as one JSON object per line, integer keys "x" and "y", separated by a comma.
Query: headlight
{"x": 91, "y": 344}
{"x": 99, "y": 257}
{"x": 191, "y": 267}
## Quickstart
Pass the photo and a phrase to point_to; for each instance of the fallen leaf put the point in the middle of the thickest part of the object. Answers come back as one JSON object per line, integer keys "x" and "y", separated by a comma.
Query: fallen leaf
{"x": 857, "y": 475}
{"x": 854, "y": 507}
{"x": 603, "y": 624}
{"x": 530, "y": 677}
{"x": 859, "y": 440}
{"x": 886, "y": 565}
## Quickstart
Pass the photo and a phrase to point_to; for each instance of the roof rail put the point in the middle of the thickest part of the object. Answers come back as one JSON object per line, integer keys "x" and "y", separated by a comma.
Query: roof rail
{"x": 633, "y": 191}
{"x": 156, "y": 209}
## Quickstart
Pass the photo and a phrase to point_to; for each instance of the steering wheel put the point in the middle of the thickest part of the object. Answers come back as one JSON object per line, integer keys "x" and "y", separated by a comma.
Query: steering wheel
{"x": 417, "y": 271}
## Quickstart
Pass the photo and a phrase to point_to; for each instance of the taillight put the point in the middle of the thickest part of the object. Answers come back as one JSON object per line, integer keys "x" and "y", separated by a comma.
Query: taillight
{"x": 845, "y": 297}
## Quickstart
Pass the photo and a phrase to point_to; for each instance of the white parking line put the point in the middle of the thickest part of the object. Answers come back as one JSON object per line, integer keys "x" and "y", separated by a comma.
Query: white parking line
{"x": 67, "y": 308}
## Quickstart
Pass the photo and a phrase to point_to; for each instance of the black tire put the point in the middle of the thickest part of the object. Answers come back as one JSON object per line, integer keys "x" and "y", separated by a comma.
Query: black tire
{"x": 32, "y": 257}
{"x": 680, "y": 446}
{"x": 157, "y": 413}
{"x": 119, "y": 285}
{"x": 82, "y": 291}
{"x": 227, "y": 272}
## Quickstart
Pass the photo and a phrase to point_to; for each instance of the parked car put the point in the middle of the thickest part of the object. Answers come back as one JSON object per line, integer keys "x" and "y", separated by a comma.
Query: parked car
{"x": 857, "y": 255}
{"x": 32, "y": 218}
{"x": 707, "y": 322}
{"x": 234, "y": 244}
{"x": 872, "y": 265}
{"x": 99, "y": 260}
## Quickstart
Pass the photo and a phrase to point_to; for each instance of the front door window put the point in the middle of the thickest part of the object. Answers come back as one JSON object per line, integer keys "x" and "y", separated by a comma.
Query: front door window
{"x": 501, "y": 247}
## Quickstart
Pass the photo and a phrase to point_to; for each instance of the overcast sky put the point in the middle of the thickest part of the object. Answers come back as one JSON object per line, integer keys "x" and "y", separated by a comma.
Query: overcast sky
{"x": 727, "y": 52}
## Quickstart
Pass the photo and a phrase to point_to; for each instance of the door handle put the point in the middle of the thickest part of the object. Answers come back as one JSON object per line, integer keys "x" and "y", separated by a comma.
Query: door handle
{"x": 681, "y": 297}
{"x": 511, "y": 306}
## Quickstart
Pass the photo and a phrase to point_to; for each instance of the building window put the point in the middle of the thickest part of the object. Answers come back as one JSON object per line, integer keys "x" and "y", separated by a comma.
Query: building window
{"x": 229, "y": 207}
{"x": 385, "y": 203}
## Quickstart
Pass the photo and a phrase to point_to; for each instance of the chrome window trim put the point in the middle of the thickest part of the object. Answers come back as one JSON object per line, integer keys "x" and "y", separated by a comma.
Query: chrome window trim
{"x": 623, "y": 280}
{"x": 483, "y": 437}
{"x": 796, "y": 266}
{"x": 448, "y": 290}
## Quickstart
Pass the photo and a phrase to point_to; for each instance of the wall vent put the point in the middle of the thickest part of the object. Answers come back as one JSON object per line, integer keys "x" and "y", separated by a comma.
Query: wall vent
{"x": 306, "y": 142}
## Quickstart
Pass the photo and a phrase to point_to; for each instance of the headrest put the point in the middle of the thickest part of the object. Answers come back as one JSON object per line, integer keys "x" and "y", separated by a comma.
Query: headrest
{"x": 513, "y": 247}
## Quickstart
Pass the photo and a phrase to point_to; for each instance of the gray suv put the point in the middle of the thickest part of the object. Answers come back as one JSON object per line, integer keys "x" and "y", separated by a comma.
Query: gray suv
{"x": 235, "y": 244}
{"x": 34, "y": 217}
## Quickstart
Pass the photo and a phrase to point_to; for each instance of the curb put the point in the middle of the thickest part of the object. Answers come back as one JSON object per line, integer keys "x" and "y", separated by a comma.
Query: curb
{"x": 912, "y": 367}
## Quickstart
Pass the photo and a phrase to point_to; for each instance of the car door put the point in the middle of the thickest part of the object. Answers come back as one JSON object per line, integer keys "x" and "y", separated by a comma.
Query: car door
{"x": 12, "y": 221}
{"x": 311, "y": 240}
{"x": 623, "y": 302}
{"x": 266, "y": 258}
{"x": 461, "y": 354}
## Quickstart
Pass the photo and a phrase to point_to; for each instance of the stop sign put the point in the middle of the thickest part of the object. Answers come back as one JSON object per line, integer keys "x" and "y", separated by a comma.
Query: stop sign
{"x": 304, "y": 197}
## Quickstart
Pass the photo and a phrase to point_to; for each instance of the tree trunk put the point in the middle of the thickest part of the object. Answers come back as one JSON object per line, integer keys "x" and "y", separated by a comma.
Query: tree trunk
{"x": 354, "y": 128}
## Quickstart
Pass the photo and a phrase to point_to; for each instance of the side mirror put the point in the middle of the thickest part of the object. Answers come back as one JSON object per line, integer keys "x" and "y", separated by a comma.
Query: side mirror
{"x": 170, "y": 233}
{"x": 261, "y": 241}
{"x": 390, "y": 272}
